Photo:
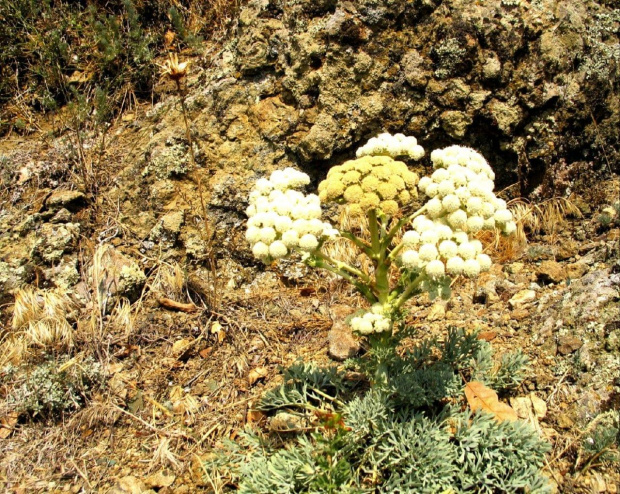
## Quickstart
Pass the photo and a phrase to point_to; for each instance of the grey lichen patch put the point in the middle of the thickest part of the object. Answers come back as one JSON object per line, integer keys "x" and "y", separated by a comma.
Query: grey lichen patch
{"x": 55, "y": 240}
{"x": 14, "y": 274}
{"x": 64, "y": 275}
{"x": 601, "y": 37}
{"x": 166, "y": 232}
{"x": 52, "y": 387}
{"x": 28, "y": 224}
{"x": 170, "y": 161}
{"x": 131, "y": 281}
{"x": 449, "y": 55}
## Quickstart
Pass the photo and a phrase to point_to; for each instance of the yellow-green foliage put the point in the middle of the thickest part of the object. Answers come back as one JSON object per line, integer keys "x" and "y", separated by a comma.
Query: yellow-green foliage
{"x": 370, "y": 182}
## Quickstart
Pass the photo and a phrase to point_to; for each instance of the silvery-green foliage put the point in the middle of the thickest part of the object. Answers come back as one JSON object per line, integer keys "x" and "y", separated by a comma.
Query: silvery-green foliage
{"x": 304, "y": 384}
{"x": 498, "y": 456}
{"x": 395, "y": 438}
{"x": 503, "y": 376}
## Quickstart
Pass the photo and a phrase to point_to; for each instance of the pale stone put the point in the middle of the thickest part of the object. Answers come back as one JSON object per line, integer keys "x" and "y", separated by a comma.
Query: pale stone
{"x": 522, "y": 297}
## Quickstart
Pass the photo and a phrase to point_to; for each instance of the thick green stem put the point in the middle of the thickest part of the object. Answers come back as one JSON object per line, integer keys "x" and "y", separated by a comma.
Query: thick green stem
{"x": 364, "y": 289}
{"x": 380, "y": 343}
{"x": 344, "y": 266}
{"x": 380, "y": 258}
{"x": 374, "y": 232}
{"x": 411, "y": 290}
{"x": 363, "y": 246}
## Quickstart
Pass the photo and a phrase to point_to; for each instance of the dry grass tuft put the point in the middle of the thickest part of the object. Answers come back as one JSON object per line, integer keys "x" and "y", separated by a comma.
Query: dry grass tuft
{"x": 100, "y": 412}
{"x": 545, "y": 217}
{"x": 184, "y": 404}
{"x": 170, "y": 282}
{"x": 163, "y": 457}
{"x": 39, "y": 320}
{"x": 548, "y": 217}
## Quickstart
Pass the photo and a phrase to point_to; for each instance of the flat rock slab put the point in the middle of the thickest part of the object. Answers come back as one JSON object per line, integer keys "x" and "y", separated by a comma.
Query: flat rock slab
{"x": 72, "y": 200}
{"x": 342, "y": 343}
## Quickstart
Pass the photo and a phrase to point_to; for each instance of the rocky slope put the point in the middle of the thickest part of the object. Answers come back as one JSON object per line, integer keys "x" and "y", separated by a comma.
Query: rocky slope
{"x": 532, "y": 85}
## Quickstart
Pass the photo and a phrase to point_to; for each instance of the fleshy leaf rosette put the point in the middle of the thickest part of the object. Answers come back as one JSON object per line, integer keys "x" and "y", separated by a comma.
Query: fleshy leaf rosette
{"x": 283, "y": 219}
{"x": 461, "y": 203}
{"x": 377, "y": 183}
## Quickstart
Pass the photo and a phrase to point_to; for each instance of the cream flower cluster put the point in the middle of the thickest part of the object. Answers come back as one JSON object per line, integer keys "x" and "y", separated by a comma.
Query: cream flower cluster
{"x": 461, "y": 202}
{"x": 374, "y": 321}
{"x": 370, "y": 182}
{"x": 461, "y": 191}
{"x": 436, "y": 248}
{"x": 282, "y": 219}
{"x": 392, "y": 145}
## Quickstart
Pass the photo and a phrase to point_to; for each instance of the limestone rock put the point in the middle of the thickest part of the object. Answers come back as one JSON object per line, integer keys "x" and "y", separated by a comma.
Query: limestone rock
{"x": 287, "y": 422}
{"x": 73, "y": 200}
{"x": 566, "y": 250}
{"x": 342, "y": 343}
{"x": 414, "y": 70}
{"x": 64, "y": 274}
{"x": 507, "y": 115}
{"x": 345, "y": 27}
{"x": 273, "y": 118}
{"x": 160, "y": 479}
{"x": 62, "y": 216}
{"x": 13, "y": 274}
{"x": 551, "y": 272}
{"x": 515, "y": 267}
{"x": 522, "y": 297}
{"x": 55, "y": 240}
{"x": 319, "y": 142}
{"x": 568, "y": 344}
{"x": 128, "y": 485}
{"x": 438, "y": 311}
{"x": 455, "y": 123}
{"x": 576, "y": 270}
{"x": 116, "y": 275}
{"x": 166, "y": 232}
{"x": 492, "y": 67}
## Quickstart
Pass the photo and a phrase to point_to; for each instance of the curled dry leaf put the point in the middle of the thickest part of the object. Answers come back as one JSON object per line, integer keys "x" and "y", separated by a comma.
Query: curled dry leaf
{"x": 217, "y": 329}
{"x": 480, "y": 397}
{"x": 256, "y": 374}
{"x": 254, "y": 416}
{"x": 7, "y": 423}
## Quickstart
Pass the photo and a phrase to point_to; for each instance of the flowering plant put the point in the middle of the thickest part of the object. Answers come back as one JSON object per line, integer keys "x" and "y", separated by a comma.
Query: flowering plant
{"x": 429, "y": 246}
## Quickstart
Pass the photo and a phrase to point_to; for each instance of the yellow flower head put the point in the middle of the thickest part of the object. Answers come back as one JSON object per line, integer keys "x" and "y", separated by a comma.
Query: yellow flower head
{"x": 370, "y": 182}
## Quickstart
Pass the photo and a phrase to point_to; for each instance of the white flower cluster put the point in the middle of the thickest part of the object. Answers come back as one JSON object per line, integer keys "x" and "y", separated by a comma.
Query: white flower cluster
{"x": 461, "y": 202}
{"x": 373, "y": 321}
{"x": 434, "y": 246}
{"x": 392, "y": 145}
{"x": 461, "y": 190}
{"x": 282, "y": 219}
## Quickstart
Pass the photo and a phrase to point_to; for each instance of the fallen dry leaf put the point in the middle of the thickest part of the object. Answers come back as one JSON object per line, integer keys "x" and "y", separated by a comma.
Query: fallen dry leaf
{"x": 216, "y": 329}
{"x": 254, "y": 416}
{"x": 256, "y": 374}
{"x": 7, "y": 423}
{"x": 179, "y": 347}
{"x": 480, "y": 397}
{"x": 487, "y": 335}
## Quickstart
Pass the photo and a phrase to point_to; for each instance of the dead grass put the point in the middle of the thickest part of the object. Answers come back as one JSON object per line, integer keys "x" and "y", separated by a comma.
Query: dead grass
{"x": 548, "y": 216}
{"x": 40, "y": 321}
